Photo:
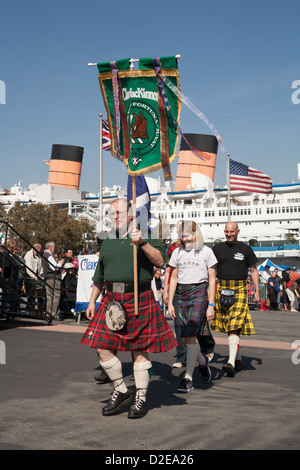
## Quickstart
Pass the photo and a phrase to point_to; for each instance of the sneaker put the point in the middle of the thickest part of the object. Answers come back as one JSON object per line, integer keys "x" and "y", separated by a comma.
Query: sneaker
{"x": 178, "y": 365}
{"x": 138, "y": 409}
{"x": 205, "y": 370}
{"x": 116, "y": 401}
{"x": 185, "y": 386}
{"x": 229, "y": 369}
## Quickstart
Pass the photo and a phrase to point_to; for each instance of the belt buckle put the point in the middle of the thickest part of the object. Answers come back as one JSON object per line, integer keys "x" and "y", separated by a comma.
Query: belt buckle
{"x": 118, "y": 287}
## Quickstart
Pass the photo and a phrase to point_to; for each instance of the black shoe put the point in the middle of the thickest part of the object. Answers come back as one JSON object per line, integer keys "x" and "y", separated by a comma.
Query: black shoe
{"x": 138, "y": 409}
{"x": 185, "y": 386}
{"x": 117, "y": 400}
{"x": 102, "y": 377}
{"x": 229, "y": 369}
{"x": 238, "y": 365}
{"x": 205, "y": 370}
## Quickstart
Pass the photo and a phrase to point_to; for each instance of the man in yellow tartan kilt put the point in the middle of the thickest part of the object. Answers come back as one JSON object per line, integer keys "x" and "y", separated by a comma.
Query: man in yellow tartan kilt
{"x": 232, "y": 316}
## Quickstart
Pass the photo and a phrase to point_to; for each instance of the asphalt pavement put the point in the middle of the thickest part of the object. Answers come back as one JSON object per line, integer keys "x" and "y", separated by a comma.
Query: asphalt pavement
{"x": 50, "y": 400}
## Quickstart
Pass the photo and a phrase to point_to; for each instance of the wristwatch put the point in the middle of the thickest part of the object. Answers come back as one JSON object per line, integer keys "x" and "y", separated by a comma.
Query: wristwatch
{"x": 144, "y": 243}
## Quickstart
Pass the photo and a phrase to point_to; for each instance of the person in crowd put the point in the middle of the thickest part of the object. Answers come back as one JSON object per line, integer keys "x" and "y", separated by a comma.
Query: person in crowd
{"x": 10, "y": 267}
{"x": 33, "y": 263}
{"x": 265, "y": 275}
{"x": 265, "y": 305}
{"x": 273, "y": 290}
{"x": 279, "y": 294}
{"x": 70, "y": 258}
{"x": 145, "y": 330}
{"x": 193, "y": 271}
{"x": 15, "y": 272}
{"x": 68, "y": 288}
{"x": 294, "y": 275}
{"x": 232, "y": 315}
{"x": 181, "y": 348}
{"x": 286, "y": 282}
{"x": 51, "y": 271}
{"x": 293, "y": 294}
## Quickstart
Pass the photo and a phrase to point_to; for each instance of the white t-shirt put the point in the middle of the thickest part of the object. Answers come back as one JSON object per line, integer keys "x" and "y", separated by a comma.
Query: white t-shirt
{"x": 192, "y": 264}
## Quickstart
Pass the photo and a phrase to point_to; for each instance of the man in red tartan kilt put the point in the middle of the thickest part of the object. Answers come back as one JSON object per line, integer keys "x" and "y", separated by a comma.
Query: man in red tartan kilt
{"x": 148, "y": 331}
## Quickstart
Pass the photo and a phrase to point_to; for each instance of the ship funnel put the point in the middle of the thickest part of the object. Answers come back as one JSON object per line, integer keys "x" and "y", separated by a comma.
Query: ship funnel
{"x": 188, "y": 162}
{"x": 65, "y": 166}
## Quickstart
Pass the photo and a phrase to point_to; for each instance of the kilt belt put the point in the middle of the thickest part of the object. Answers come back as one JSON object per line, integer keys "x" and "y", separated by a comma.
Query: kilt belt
{"x": 126, "y": 287}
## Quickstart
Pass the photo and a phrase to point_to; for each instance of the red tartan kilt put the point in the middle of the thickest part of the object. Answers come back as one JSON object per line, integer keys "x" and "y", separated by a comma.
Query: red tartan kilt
{"x": 147, "y": 331}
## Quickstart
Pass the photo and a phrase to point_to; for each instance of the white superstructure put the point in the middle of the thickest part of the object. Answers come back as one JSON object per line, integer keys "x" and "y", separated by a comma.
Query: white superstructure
{"x": 264, "y": 220}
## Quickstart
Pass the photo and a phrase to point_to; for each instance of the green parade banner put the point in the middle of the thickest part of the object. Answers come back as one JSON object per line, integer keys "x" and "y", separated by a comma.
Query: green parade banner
{"x": 143, "y": 119}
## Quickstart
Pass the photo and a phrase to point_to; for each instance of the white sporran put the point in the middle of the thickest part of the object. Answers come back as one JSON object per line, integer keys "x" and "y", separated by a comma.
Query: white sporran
{"x": 115, "y": 317}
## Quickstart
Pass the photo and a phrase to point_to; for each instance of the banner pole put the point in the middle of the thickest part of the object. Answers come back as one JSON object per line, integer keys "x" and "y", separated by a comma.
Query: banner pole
{"x": 135, "y": 273}
{"x": 100, "y": 174}
{"x": 228, "y": 188}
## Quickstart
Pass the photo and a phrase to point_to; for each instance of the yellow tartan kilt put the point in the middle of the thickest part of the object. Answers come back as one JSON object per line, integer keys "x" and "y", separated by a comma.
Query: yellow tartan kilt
{"x": 238, "y": 315}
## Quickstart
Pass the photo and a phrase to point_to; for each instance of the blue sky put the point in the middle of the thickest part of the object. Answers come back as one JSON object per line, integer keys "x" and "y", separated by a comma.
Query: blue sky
{"x": 238, "y": 62}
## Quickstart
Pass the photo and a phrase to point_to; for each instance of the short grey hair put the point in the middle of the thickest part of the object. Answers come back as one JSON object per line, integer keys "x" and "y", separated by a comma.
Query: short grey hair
{"x": 48, "y": 245}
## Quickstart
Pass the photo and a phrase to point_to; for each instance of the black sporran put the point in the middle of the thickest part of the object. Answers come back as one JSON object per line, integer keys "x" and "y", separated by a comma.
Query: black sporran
{"x": 227, "y": 297}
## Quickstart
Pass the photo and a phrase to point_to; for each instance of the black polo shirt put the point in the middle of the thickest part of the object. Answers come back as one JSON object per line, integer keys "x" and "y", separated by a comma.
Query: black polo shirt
{"x": 234, "y": 260}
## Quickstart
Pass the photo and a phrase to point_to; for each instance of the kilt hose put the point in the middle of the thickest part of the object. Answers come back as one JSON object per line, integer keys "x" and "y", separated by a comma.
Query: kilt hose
{"x": 237, "y": 316}
{"x": 147, "y": 331}
{"x": 192, "y": 306}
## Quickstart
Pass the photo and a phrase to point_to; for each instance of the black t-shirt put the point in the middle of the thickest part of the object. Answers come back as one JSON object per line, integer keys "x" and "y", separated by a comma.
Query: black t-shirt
{"x": 234, "y": 260}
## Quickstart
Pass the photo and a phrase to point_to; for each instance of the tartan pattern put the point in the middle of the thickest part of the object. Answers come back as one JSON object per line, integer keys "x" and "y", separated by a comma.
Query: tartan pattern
{"x": 125, "y": 129}
{"x": 116, "y": 106}
{"x": 164, "y": 138}
{"x": 192, "y": 306}
{"x": 238, "y": 315}
{"x": 147, "y": 331}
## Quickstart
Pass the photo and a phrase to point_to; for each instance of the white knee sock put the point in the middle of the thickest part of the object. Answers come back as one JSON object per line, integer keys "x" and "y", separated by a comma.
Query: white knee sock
{"x": 233, "y": 342}
{"x": 192, "y": 351}
{"x": 141, "y": 377}
{"x": 113, "y": 368}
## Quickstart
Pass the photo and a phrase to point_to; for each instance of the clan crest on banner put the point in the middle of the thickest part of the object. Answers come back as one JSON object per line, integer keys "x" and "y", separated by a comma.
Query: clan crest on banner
{"x": 143, "y": 117}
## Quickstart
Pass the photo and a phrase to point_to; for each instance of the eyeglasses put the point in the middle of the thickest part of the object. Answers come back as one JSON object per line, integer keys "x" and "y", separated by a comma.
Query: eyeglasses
{"x": 118, "y": 213}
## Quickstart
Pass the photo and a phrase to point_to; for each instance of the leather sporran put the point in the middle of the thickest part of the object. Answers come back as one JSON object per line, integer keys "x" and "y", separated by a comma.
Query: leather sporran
{"x": 227, "y": 297}
{"x": 115, "y": 316}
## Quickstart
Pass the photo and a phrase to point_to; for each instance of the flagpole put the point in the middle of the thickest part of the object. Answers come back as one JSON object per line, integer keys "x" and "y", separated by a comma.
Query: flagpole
{"x": 135, "y": 273}
{"x": 228, "y": 188}
{"x": 100, "y": 174}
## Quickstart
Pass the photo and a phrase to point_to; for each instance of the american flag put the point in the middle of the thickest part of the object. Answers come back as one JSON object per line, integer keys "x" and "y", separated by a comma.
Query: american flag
{"x": 106, "y": 142}
{"x": 245, "y": 178}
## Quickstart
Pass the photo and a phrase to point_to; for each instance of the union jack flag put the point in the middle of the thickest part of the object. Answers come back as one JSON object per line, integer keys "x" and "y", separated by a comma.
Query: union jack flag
{"x": 106, "y": 142}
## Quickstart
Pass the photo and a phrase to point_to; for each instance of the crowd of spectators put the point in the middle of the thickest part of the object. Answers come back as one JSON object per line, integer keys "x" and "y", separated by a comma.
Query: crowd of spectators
{"x": 23, "y": 281}
{"x": 282, "y": 288}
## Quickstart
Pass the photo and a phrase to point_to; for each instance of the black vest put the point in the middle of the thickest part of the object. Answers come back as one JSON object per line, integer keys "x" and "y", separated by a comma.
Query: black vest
{"x": 48, "y": 272}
